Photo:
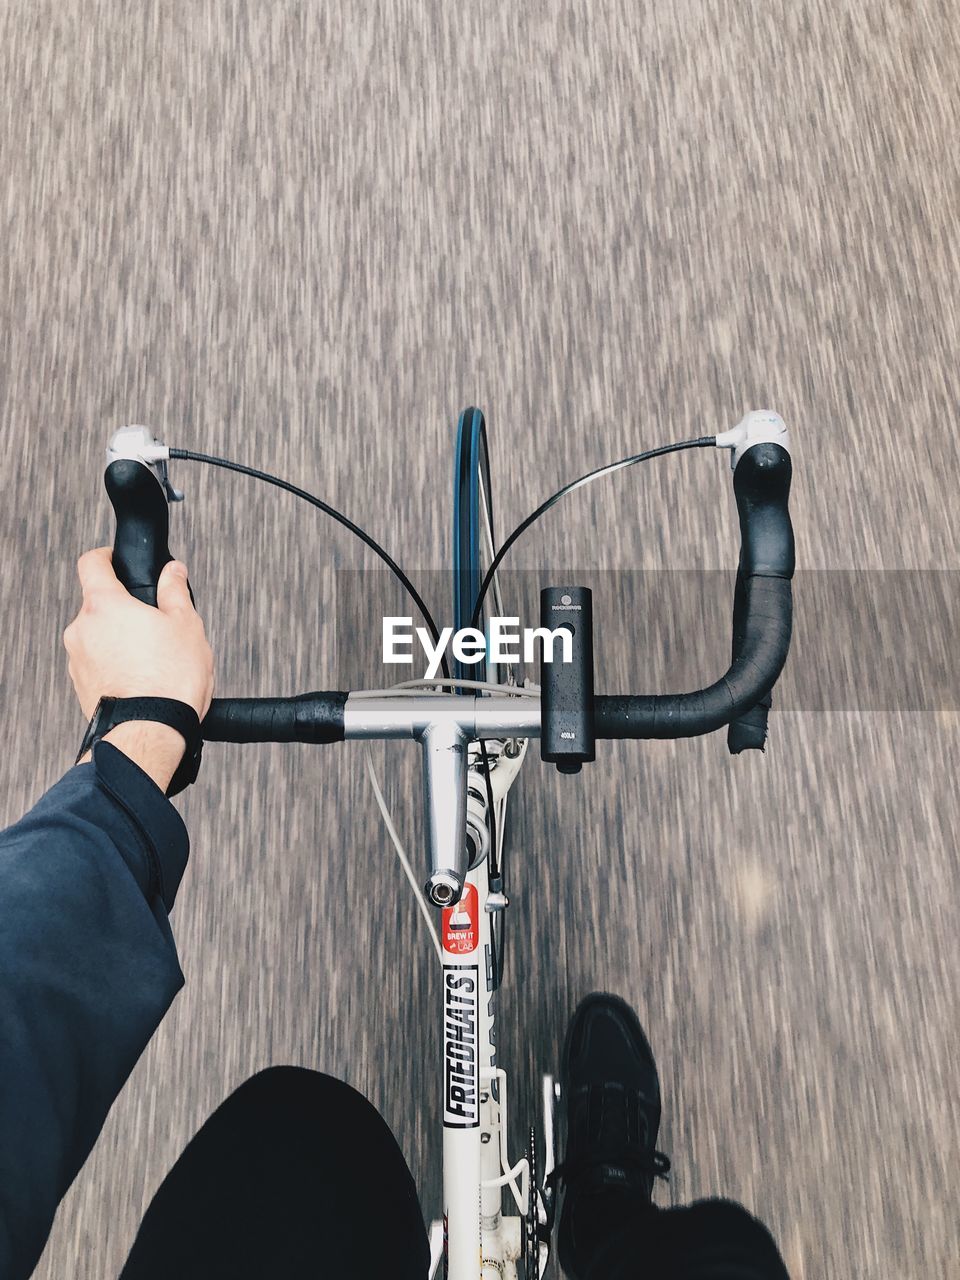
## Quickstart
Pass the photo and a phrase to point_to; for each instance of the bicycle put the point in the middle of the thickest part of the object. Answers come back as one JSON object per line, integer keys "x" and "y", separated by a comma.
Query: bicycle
{"x": 474, "y": 728}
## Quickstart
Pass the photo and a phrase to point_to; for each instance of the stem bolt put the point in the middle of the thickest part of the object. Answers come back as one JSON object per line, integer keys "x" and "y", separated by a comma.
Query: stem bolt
{"x": 444, "y": 888}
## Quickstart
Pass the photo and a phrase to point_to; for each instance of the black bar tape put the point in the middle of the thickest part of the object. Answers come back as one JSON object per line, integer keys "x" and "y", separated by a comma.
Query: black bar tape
{"x": 768, "y": 617}
{"x": 307, "y": 717}
{"x": 762, "y": 623}
{"x": 749, "y": 731}
{"x": 761, "y": 484}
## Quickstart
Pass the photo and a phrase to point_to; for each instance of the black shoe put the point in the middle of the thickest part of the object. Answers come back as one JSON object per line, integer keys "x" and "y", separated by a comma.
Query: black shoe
{"x": 610, "y": 1101}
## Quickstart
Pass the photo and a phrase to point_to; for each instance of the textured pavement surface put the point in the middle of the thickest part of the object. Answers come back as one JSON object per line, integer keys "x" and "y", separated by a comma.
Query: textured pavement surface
{"x": 304, "y": 236}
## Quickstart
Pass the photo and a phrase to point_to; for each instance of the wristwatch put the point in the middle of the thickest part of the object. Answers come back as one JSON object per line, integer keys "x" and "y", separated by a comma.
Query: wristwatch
{"x": 178, "y": 715}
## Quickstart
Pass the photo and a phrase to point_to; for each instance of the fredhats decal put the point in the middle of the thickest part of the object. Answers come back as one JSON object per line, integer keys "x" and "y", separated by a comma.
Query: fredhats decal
{"x": 461, "y": 924}
{"x": 461, "y": 1007}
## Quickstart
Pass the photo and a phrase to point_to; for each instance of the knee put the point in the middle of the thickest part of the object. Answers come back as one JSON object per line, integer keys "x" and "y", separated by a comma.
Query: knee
{"x": 298, "y": 1096}
{"x": 299, "y": 1084}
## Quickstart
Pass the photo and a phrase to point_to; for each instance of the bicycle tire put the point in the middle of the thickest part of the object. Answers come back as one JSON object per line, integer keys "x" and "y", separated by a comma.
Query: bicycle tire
{"x": 471, "y": 492}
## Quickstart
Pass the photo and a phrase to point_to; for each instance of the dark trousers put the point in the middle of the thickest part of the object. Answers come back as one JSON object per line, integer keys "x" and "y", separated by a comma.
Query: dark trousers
{"x": 297, "y": 1175}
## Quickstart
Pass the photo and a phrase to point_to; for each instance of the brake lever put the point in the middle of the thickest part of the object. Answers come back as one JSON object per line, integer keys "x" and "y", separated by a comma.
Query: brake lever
{"x": 140, "y": 445}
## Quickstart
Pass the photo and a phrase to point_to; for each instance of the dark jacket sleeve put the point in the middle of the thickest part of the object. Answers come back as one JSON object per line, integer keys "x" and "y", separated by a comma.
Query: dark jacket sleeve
{"x": 88, "y": 968}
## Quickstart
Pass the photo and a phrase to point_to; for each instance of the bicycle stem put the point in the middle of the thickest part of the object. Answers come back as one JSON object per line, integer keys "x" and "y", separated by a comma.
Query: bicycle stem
{"x": 444, "y": 727}
{"x": 444, "y": 757}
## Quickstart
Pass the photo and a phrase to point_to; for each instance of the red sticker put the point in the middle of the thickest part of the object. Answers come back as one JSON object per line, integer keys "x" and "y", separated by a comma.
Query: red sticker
{"x": 461, "y": 924}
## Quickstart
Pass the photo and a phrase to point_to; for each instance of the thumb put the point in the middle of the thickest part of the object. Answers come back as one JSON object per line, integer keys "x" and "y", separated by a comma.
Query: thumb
{"x": 172, "y": 590}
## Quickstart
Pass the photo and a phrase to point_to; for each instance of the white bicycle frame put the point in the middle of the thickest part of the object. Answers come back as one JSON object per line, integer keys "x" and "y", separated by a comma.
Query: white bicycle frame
{"x": 475, "y": 1240}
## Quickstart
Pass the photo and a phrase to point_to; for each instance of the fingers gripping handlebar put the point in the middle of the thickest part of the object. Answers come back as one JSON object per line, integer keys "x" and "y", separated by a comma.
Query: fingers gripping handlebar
{"x": 139, "y": 490}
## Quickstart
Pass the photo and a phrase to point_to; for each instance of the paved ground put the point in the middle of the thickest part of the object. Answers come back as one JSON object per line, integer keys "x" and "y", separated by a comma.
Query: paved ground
{"x": 304, "y": 236}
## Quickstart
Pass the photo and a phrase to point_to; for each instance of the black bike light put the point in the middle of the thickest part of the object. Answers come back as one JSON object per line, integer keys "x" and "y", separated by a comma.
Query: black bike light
{"x": 566, "y": 688}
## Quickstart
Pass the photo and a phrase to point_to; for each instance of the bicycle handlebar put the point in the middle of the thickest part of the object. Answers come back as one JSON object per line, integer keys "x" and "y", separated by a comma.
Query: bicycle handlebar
{"x": 762, "y": 621}
{"x": 762, "y": 616}
{"x": 306, "y": 717}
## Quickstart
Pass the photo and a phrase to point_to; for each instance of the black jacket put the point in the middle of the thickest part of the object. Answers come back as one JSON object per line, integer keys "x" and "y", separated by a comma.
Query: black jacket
{"x": 88, "y": 967}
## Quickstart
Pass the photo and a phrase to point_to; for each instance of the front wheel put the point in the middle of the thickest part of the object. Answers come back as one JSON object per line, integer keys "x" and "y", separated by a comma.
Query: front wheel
{"x": 474, "y": 546}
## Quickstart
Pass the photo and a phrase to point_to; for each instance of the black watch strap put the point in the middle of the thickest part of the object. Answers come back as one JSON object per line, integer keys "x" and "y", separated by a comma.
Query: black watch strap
{"x": 178, "y": 715}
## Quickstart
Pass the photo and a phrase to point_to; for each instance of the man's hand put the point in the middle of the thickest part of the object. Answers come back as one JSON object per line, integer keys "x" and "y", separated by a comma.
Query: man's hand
{"x": 122, "y": 648}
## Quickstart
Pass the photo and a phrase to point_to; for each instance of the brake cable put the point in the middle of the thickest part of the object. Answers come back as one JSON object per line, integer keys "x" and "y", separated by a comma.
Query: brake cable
{"x": 702, "y": 442}
{"x": 188, "y": 455}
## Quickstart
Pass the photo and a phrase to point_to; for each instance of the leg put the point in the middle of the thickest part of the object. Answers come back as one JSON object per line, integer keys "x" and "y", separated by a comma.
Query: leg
{"x": 295, "y": 1175}
{"x": 609, "y": 1228}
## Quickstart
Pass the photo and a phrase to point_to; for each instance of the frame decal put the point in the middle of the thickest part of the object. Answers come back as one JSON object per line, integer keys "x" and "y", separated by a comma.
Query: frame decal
{"x": 461, "y": 924}
{"x": 461, "y": 1048}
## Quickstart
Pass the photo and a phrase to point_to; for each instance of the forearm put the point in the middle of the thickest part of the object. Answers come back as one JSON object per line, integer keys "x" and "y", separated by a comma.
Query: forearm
{"x": 88, "y": 968}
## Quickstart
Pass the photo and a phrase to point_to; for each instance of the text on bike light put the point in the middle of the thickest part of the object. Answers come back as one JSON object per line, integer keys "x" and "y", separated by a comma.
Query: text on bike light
{"x": 502, "y": 644}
